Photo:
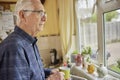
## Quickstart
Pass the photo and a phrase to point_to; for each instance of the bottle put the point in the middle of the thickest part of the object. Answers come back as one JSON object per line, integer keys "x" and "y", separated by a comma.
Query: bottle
{"x": 102, "y": 71}
{"x": 53, "y": 54}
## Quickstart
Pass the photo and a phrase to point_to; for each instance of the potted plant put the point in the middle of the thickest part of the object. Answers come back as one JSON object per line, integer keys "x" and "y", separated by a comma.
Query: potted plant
{"x": 86, "y": 52}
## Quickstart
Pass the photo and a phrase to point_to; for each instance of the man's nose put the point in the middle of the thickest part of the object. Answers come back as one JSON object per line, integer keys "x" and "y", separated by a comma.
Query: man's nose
{"x": 44, "y": 18}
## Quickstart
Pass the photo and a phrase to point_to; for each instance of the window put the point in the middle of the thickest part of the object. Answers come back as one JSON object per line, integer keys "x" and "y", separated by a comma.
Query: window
{"x": 87, "y": 26}
{"x": 103, "y": 34}
{"x": 112, "y": 39}
{"x": 109, "y": 35}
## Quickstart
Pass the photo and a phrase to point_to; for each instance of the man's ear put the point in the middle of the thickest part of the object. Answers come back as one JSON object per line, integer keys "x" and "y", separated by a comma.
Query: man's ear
{"x": 22, "y": 15}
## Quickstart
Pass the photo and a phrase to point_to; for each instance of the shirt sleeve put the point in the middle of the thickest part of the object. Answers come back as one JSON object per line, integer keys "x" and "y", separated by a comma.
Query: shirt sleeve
{"x": 13, "y": 65}
{"x": 47, "y": 72}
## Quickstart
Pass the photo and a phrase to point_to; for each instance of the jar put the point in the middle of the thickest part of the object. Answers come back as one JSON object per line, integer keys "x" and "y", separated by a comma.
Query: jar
{"x": 91, "y": 68}
{"x": 78, "y": 60}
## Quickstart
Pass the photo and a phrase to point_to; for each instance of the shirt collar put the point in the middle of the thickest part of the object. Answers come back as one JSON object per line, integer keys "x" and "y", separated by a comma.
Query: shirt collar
{"x": 25, "y": 35}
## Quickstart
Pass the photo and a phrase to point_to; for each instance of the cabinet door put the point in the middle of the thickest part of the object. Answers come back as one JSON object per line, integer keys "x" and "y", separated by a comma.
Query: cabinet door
{"x": 8, "y": 0}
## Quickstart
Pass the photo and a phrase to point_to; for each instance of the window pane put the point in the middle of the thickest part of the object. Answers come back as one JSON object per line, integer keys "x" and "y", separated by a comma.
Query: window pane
{"x": 87, "y": 25}
{"x": 89, "y": 35}
{"x": 112, "y": 39}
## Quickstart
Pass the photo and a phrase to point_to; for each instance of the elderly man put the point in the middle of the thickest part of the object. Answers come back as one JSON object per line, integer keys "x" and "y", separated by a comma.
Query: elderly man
{"x": 19, "y": 55}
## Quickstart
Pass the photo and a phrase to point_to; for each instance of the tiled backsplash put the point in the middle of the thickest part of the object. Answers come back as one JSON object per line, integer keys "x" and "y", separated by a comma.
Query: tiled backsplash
{"x": 45, "y": 44}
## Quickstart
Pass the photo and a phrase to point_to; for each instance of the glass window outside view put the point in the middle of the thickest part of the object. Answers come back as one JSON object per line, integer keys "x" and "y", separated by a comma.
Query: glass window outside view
{"x": 89, "y": 34}
{"x": 88, "y": 26}
{"x": 87, "y": 20}
{"x": 112, "y": 39}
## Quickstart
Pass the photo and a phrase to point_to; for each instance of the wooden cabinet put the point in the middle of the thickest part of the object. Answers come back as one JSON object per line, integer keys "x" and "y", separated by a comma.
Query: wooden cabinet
{"x": 8, "y": 0}
{"x": 8, "y": 4}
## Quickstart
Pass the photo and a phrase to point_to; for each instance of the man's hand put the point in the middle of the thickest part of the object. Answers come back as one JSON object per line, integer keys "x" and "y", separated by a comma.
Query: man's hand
{"x": 54, "y": 71}
{"x": 56, "y": 75}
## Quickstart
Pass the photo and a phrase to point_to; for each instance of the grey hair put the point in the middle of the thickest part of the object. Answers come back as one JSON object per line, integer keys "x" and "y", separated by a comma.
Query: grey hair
{"x": 22, "y": 5}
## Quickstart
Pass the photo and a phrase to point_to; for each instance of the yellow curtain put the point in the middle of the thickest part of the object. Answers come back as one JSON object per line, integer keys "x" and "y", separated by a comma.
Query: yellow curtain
{"x": 66, "y": 25}
{"x": 51, "y": 25}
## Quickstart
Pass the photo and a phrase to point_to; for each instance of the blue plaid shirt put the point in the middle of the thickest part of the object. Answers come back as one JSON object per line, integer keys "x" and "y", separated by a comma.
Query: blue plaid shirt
{"x": 20, "y": 59}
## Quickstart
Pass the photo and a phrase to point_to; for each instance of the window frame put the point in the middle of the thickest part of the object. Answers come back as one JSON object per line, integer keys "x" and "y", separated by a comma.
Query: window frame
{"x": 103, "y": 7}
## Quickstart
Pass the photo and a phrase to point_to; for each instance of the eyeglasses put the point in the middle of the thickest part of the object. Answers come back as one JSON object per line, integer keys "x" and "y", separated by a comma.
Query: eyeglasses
{"x": 41, "y": 12}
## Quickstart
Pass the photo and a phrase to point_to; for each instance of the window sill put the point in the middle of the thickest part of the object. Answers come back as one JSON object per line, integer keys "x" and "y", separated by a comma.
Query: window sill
{"x": 78, "y": 71}
{"x": 114, "y": 74}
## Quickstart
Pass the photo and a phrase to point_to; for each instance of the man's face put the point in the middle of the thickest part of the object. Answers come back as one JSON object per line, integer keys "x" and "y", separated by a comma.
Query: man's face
{"x": 35, "y": 21}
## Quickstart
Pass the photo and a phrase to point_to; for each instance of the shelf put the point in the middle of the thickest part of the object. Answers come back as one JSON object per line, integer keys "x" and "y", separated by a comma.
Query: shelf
{"x": 7, "y": 1}
{"x": 7, "y": 5}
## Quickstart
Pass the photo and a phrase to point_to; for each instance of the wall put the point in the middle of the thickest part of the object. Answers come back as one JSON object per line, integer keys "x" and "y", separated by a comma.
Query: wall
{"x": 51, "y": 25}
{"x": 45, "y": 44}
{"x": 50, "y": 42}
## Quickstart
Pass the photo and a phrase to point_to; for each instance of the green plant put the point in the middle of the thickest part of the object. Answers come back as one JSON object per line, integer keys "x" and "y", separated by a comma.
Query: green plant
{"x": 94, "y": 18}
{"x": 75, "y": 52}
{"x": 111, "y": 15}
{"x": 86, "y": 51}
{"x": 118, "y": 63}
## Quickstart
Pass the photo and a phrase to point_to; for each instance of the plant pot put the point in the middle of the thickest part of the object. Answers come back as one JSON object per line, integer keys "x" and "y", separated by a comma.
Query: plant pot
{"x": 84, "y": 61}
{"x": 73, "y": 56}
